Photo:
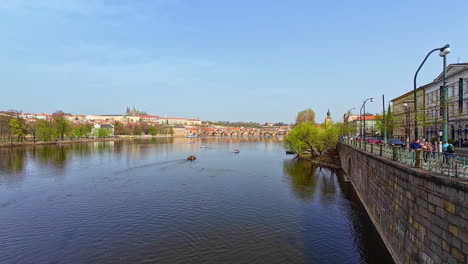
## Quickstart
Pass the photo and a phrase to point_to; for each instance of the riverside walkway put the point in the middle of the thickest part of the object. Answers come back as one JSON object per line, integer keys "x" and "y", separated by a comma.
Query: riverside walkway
{"x": 451, "y": 165}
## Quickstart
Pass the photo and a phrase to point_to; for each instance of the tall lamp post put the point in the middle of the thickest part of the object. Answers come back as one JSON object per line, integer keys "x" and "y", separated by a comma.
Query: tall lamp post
{"x": 364, "y": 106}
{"x": 443, "y": 51}
{"x": 407, "y": 117}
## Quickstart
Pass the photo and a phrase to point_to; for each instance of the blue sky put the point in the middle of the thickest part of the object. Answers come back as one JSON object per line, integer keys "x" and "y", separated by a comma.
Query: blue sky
{"x": 220, "y": 60}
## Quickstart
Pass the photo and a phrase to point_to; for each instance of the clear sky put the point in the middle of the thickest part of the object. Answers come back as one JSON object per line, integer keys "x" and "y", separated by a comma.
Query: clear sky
{"x": 220, "y": 60}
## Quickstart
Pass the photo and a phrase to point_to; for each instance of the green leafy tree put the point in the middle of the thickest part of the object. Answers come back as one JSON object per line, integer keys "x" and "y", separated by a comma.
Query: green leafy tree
{"x": 138, "y": 131}
{"x": 301, "y": 138}
{"x": 31, "y": 128}
{"x": 4, "y": 127}
{"x": 152, "y": 131}
{"x": 121, "y": 129}
{"x": 60, "y": 123}
{"x": 45, "y": 131}
{"x": 102, "y": 132}
{"x": 306, "y": 138}
{"x": 346, "y": 128}
{"x": 17, "y": 129}
{"x": 79, "y": 131}
{"x": 305, "y": 116}
{"x": 88, "y": 129}
{"x": 171, "y": 131}
{"x": 327, "y": 137}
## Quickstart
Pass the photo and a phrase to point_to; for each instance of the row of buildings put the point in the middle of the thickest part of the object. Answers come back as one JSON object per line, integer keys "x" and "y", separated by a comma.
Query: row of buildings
{"x": 428, "y": 112}
{"x": 130, "y": 116}
{"x": 181, "y": 126}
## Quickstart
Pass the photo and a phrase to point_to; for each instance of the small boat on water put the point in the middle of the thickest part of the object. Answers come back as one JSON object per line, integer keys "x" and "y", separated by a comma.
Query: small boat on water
{"x": 192, "y": 136}
{"x": 236, "y": 151}
{"x": 202, "y": 147}
{"x": 192, "y": 157}
{"x": 288, "y": 152}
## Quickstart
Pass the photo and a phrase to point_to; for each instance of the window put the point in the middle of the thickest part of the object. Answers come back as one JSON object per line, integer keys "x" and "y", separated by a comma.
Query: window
{"x": 465, "y": 87}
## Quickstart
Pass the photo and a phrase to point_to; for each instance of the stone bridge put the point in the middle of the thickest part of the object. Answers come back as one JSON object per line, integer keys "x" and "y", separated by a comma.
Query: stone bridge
{"x": 422, "y": 216}
{"x": 251, "y": 133}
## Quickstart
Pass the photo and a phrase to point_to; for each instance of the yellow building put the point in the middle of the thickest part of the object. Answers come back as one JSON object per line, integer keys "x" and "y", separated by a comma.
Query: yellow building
{"x": 404, "y": 115}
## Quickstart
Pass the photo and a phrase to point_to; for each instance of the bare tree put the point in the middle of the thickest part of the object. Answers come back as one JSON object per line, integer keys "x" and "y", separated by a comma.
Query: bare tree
{"x": 305, "y": 116}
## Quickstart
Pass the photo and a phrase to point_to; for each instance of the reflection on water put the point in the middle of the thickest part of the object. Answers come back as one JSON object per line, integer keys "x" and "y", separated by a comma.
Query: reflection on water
{"x": 302, "y": 177}
{"x": 141, "y": 201}
{"x": 12, "y": 160}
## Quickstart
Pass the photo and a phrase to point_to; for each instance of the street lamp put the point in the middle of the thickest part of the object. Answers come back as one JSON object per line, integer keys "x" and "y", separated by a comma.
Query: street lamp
{"x": 364, "y": 106}
{"x": 407, "y": 127}
{"x": 443, "y": 51}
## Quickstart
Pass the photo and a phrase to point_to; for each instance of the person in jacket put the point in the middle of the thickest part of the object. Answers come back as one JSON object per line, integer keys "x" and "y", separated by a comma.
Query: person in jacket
{"x": 416, "y": 144}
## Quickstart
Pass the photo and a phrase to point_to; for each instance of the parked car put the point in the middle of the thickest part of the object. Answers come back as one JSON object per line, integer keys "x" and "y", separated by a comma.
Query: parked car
{"x": 396, "y": 142}
{"x": 372, "y": 140}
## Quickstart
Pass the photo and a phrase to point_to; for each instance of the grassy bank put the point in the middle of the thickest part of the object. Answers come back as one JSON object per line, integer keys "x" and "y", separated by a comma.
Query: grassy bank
{"x": 83, "y": 140}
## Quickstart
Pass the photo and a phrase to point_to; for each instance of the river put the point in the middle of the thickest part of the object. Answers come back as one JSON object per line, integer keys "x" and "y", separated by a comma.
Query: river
{"x": 141, "y": 201}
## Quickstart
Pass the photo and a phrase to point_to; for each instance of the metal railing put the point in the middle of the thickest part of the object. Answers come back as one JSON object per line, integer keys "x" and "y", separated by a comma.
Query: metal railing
{"x": 448, "y": 164}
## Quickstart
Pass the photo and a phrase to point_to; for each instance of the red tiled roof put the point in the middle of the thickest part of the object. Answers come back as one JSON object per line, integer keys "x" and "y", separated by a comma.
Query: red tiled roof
{"x": 367, "y": 118}
{"x": 149, "y": 116}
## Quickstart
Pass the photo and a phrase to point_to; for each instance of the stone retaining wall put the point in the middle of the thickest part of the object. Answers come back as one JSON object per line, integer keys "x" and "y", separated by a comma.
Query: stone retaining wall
{"x": 422, "y": 216}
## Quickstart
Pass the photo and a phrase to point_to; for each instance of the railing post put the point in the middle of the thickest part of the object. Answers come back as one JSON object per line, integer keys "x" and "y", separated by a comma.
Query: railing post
{"x": 417, "y": 162}
{"x": 394, "y": 153}
{"x": 380, "y": 150}
{"x": 371, "y": 148}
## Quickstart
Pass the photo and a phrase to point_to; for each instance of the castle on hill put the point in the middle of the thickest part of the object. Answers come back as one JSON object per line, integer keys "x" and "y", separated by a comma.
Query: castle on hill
{"x": 134, "y": 112}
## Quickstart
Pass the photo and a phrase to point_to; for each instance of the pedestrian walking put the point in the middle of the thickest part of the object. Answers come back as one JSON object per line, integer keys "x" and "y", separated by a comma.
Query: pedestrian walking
{"x": 449, "y": 151}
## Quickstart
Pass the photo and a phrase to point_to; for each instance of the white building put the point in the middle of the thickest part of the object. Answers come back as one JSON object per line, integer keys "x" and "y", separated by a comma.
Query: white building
{"x": 178, "y": 121}
{"x": 457, "y": 86}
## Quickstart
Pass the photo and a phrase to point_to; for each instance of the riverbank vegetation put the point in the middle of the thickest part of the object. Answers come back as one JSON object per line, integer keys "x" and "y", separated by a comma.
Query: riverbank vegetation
{"x": 57, "y": 127}
{"x": 308, "y": 139}
{"x": 315, "y": 142}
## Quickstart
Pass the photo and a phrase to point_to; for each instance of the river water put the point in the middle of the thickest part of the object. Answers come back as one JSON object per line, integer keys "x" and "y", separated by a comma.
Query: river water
{"x": 141, "y": 201}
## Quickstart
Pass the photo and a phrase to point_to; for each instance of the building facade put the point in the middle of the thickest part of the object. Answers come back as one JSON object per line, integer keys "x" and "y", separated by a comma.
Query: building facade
{"x": 369, "y": 122}
{"x": 404, "y": 114}
{"x": 457, "y": 103}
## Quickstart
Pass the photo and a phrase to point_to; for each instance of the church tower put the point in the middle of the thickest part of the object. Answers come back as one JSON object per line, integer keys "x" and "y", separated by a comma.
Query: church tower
{"x": 328, "y": 119}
